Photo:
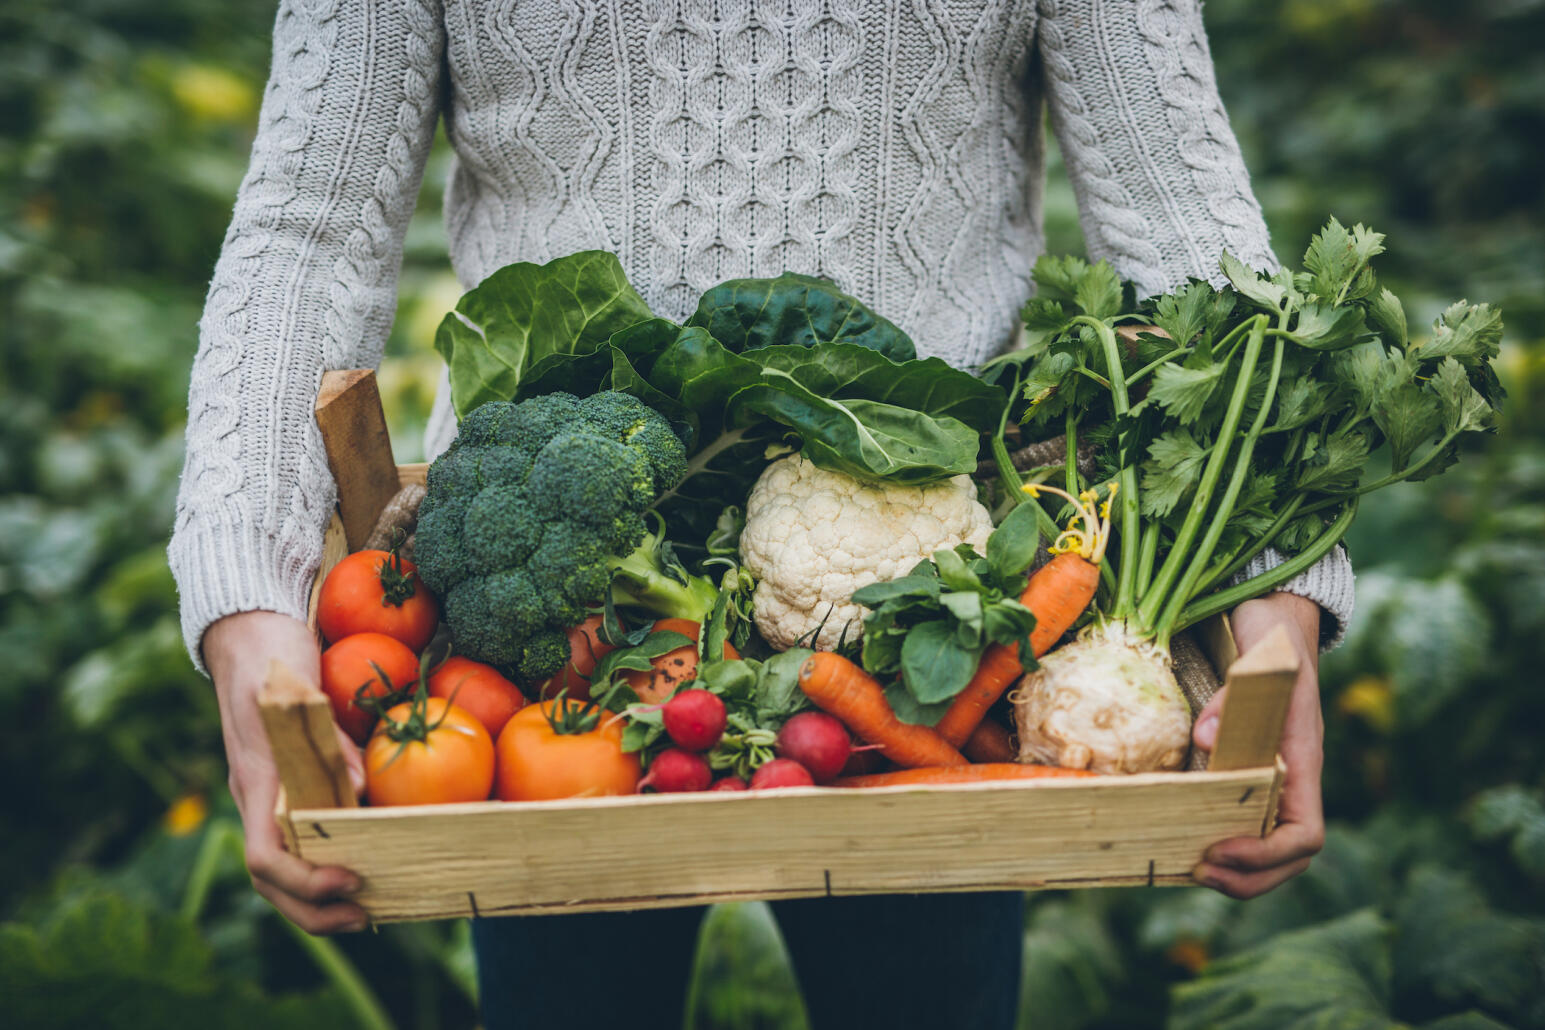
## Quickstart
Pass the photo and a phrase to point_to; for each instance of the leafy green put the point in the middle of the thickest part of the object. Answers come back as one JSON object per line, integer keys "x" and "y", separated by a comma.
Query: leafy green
{"x": 797, "y": 310}
{"x": 523, "y": 313}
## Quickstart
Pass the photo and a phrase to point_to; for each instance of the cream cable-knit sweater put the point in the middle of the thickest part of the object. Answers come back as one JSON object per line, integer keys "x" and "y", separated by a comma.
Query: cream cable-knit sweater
{"x": 894, "y": 147}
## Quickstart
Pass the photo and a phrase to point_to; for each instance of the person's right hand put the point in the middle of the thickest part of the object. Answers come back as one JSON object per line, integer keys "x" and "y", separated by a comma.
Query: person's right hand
{"x": 237, "y": 650}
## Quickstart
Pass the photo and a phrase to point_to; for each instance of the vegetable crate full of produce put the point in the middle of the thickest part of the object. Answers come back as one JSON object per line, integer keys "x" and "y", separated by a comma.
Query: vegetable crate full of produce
{"x": 764, "y": 606}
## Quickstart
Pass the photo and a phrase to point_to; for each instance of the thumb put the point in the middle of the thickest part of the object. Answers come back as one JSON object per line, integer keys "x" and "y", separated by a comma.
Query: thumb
{"x": 1205, "y": 732}
{"x": 353, "y": 759}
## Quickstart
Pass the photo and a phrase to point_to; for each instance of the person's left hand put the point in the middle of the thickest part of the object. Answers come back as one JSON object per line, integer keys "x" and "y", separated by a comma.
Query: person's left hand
{"x": 1244, "y": 867}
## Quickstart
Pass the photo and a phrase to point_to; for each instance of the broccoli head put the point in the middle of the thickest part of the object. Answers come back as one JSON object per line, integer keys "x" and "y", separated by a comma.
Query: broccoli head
{"x": 528, "y": 512}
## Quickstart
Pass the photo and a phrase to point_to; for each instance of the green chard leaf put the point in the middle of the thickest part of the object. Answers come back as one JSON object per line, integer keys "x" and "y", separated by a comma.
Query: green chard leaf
{"x": 909, "y": 710}
{"x": 797, "y": 310}
{"x": 524, "y": 312}
{"x": 1011, "y": 547}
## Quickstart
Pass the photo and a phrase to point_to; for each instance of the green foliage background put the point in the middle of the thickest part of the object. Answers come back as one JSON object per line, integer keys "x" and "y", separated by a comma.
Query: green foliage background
{"x": 124, "y": 128}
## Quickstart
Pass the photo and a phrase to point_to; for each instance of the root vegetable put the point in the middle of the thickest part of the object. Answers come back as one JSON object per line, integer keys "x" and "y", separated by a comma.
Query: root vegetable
{"x": 729, "y": 783}
{"x": 694, "y": 719}
{"x": 781, "y": 772}
{"x": 838, "y": 686}
{"x": 675, "y": 770}
{"x": 1107, "y": 702}
{"x": 991, "y": 742}
{"x": 817, "y": 741}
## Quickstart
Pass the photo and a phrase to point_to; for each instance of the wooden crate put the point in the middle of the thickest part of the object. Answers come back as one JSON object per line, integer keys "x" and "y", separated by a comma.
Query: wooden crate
{"x": 500, "y": 858}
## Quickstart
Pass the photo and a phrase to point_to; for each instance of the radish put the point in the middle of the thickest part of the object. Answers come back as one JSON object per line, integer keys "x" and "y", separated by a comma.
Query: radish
{"x": 817, "y": 741}
{"x": 781, "y": 772}
{"x": 729, "y": 783}
{"x": 674, "y": 770}
{"x": 694, "y": 719}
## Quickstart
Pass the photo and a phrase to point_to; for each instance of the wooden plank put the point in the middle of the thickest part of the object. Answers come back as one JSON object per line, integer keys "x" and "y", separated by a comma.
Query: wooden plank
{"x": 304, "y": 741}
{"x": 359, "y": 449}
{"x": 542, "y": 857}
{"x": 416, "y": 473}
{"x": 1216, "y": 637}
{"x": 1259, "y": 686}
{"x": 335, "y": 548}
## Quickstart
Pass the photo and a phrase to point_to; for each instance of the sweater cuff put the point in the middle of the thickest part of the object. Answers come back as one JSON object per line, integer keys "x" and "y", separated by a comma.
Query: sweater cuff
{"x": 224, "y": 566}
{"x": 1328, "y": 583}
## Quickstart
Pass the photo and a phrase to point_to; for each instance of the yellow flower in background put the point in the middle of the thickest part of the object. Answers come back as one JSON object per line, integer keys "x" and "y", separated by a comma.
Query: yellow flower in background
{"x": 186, "y": 815}
{"x": 211, "y": 93}
{"x": 1370, "y": 699}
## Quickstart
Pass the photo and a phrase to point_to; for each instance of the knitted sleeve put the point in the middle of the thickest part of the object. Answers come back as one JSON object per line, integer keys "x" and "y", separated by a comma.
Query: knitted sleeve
{"x": 1162, "y": 188}
{"x": 305, "y": 282}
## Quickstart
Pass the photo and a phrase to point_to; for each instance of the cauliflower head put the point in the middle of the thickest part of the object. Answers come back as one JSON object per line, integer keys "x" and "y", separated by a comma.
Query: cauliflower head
{"x": 812, "y": 537}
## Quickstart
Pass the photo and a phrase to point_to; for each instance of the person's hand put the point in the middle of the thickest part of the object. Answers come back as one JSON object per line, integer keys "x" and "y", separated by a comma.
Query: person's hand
{"x": 1244, "y": 867}
{"x": 237, "y": 650}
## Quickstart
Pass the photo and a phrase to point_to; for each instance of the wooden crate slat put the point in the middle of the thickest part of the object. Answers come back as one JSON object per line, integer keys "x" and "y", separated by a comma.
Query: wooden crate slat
{"x": 359, "y": 449}
{"x": 1259, "y": 685}
{"x": 304, "y": 741}
{"x": 442, "y": 861}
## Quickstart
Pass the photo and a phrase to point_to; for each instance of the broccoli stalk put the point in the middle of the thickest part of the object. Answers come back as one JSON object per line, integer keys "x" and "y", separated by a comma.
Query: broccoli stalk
{"x": 652, "y": 577}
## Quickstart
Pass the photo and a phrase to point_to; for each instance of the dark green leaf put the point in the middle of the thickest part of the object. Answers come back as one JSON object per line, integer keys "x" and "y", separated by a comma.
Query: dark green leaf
{"x": 1336, "y": 257}
{"x": 1325, "y": 328}
{"x": 910, "y": 711}
{"x": 777, "y": 686}
{"x": 1182, "y": 391}
{"x": 966, "y": 606}
{"x": 1011, "y": 547}
{"x": 1451, "y": 942}
{"x": 876, "y": 594}
{"x": 934, "y": 666}
{"x": 1301, "y": 400}
{"x": 1407, "y": 414}
{"x": 1337, "y": 465}
{"x": 1464, "y": 409}
{"x": 1171, "y": 472}
{"x": 794, "y": 310}
{"x": 1099, "y": 291}
{"x": 954, "y": 574}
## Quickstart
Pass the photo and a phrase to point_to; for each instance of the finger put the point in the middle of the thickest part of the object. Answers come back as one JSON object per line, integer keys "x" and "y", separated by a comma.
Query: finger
{"x": 1205, "y": 732}
{"x": 334, "y": 917}
{"x": 1289, "y": 842}
{"x": 267, "y": 861}
{"x": 1242, "y": 885}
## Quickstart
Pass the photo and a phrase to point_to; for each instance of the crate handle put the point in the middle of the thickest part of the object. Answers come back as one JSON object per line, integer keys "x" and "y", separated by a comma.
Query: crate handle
{"x": 1259, "y": 685}
{"x": 304, "y": 741}
{"x": 359, "y": 449}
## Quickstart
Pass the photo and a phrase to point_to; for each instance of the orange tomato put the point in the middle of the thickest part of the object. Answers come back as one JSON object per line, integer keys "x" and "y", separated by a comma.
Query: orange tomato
{"x": 672, "y": 668}
{"x": 478, "y": 688}
{"x": 453, "y": 762}
{"x": 538, "y": 764}
{"x": 373, "y": 592}
{"x": 350, "y": 665}
{"x": 585, "y": 649}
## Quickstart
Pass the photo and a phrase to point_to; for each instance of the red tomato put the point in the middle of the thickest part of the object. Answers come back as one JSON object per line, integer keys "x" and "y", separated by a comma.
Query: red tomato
{"x": 375, "y": 592}
{"x": 537, "y": 763}
{"x": 672, "y": 668}
{"x": 585, "y": 649}
{"x": 479, "y": 689}
{"x": 454, "y": 760}
{"x": 350, "y": 665}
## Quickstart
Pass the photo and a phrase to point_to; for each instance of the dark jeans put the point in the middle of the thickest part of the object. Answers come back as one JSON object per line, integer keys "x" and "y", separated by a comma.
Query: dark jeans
{"x": 935, "y": 961}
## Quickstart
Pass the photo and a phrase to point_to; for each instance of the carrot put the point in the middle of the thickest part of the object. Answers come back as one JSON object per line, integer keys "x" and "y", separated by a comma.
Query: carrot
{"x": 1057, "y": 595}
{"x": 838, "y": 686}
{"x": 985, "y": 773}
{"x": 991, "y": 742}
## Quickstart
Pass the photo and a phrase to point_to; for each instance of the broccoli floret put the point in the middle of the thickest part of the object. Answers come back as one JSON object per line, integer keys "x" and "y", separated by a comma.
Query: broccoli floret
{"x": 531, "y": 510}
